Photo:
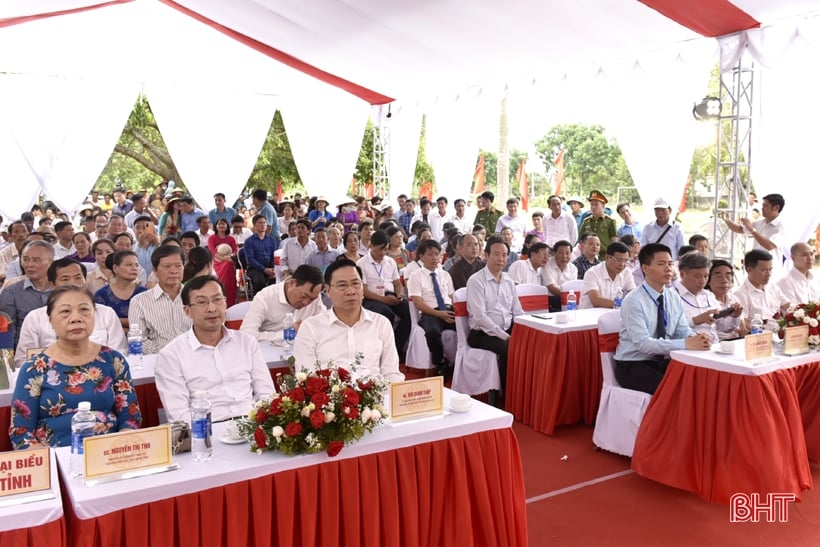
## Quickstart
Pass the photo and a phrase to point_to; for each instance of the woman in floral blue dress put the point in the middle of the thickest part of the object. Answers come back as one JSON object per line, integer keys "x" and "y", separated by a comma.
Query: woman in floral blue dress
{"x": 51, "y": 384}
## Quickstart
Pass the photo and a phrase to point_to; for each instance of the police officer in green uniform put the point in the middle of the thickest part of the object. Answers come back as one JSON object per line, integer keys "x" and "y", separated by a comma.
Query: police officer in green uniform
{"x": 599, "y": 223}
{"x": 487, "y": 215}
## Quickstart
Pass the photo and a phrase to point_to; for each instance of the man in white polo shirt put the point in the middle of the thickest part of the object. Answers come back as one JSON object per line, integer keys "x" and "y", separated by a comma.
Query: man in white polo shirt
{"x": 699, "y": 304}
{"x": 529, "y": 271}
{"x": 559, "y": 269}
{"x": 799, "y": 285}
{"x": 603, "y": 281}
{"x": 756, "y": 294}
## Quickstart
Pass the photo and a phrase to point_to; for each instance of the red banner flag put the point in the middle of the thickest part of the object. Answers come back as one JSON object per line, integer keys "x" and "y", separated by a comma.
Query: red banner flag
{"x": 280, "y": 194}
{"x": 523, "y": 185}
{"x": 559, "y": 173}
{"x": 479, "y": 176}
{"x": 426, "y": 190}
{"x": 369, "y": 190}
{"x": 682, "y": 207}
{"x": 353, "y": 190}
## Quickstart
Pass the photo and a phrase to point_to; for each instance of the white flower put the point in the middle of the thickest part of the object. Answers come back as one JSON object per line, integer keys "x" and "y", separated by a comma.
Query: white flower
{"x": 277, "y": 431}
{"x": 813, "y": 322}
{"x": 258, "y": 450}
{"x": 301, "y": 376}
{"x": 329, "y": 417}
{"x": 806, "y": 320}
{"x": 335, "y": 388}
{"x": 799, "y": 313}
{"x": 312, "y": 406}
{"x": 311, "y": 439}
{"x": 306, "y": 411}
{"x": 375, "y": 415}
{"x": 365, "y": 415}
{"x": 814, "y": 339}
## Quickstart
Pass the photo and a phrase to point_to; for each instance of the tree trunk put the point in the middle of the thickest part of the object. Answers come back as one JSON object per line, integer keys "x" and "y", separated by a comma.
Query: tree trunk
{"x": 503, "y": 167}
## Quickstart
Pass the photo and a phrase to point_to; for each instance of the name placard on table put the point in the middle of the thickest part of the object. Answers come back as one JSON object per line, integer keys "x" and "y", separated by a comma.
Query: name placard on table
{"x": 416, "y": 398}
{"x": 25, "y": 475}
{"x": 796, "y": 340}
{"x": 758, "y": 346}
{"x": 127, "y": 454}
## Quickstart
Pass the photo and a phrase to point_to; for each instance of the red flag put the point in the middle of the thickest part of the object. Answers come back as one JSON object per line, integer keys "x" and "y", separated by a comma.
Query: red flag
{"x": 523, "y": 185}
{"x": 353, "y": 191}
{"x": 280, "y": 194}
{"x": 682, "y": 207}
{"x": 426, "y": 190}
{"x": 479, "y": 176}
{"x": 369, "y": 190}
{"x": 559, "y": 173}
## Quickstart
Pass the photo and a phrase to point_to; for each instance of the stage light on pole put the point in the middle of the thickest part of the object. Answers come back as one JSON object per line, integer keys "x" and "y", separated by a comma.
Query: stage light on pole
{"x": 708, "y": 109}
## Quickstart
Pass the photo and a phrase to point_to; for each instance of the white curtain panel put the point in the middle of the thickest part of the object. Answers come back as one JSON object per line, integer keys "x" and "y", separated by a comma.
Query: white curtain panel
{"x": 405, "y": 132}
{"x": 325, "y": 129}
{"x": 57, "y": 135}
{"x": 213, "y": 134}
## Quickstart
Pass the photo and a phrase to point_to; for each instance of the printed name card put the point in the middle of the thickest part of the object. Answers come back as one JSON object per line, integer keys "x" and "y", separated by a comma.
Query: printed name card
{"x": 24, "y": 471}
{"x": 758, "y": 346}
{"x": 416, "y": 398}
{"x": 796, "y": 340}
{"x": 119, "y": 455}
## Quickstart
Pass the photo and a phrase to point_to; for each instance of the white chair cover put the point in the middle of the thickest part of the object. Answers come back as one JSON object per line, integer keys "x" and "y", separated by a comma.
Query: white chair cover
{"x": 237, "y": 312}
{"x": 418, "y": 356}
{"x": 621, "y": 410}
{"x": 528, "y": 292}
{"x": 277, "y": 268}
{"x": 476, "y": 370}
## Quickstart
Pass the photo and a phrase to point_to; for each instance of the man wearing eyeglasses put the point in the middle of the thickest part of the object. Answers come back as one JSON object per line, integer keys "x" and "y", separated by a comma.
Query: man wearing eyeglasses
{"x": 603, "y": 281}
{"x": 348, "y": 330}
{"x": 227, "y": 364}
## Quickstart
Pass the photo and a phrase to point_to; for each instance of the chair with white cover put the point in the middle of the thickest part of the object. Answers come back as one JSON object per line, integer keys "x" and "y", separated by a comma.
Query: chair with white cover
{"x": 236, "y": 314}
{"x": 621, "y": 410}
{"x": 277, "y": 265}
{"x": 534, "y": 298}
{"x": 418, "y": 355}
{"x": 576, "y": 286}
{"x": 476, "y": 370}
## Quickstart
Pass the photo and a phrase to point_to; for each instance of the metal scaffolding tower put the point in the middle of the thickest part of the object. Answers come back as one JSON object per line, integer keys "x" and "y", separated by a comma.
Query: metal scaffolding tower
{"x": 381, "y": 156}
{"x": 734, "y": 155}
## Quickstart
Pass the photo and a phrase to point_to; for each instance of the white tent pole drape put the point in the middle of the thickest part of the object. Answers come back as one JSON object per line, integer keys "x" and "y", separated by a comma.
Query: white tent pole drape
{"x": 405, "y": 131}
{"x": 213, "y": 135}
{"x": 57, "y": 135}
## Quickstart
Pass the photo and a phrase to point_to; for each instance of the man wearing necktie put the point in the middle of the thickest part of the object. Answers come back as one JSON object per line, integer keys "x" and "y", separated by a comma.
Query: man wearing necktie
{"x": 653, "y": 323}
{"x": 431, "y": 289}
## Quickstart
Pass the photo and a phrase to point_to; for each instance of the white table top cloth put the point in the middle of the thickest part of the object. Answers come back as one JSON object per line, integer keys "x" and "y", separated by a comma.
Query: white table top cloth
{"x": 585, "y": 320}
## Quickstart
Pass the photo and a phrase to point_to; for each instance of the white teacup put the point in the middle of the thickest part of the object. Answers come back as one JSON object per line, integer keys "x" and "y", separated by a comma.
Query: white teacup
{"x": 231, "y": 431}
{"x": 561, "y": 318}
{"x": 727, "y": 346}
{"x": 459, "y": 401}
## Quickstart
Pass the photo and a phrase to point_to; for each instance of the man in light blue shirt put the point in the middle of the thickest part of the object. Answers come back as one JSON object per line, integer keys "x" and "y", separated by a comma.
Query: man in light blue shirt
{"x": 630, "y": 226}
{"x": 651, "y": 327}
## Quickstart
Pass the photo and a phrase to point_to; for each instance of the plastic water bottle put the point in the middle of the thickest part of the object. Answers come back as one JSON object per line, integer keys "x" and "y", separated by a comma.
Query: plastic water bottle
{"x": 618, "y": 301}
{"x": 135, "y": 348}
{"x": 201, "y": 445}
{"x": 289, "y": 333}
{"x": 82, "y": 426}
{"x": 572, "y": 305}
{"x": 757, "y": 324}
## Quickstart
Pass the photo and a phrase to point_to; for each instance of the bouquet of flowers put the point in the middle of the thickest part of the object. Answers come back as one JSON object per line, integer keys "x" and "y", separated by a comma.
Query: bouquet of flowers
{"x": 802, "y": 314}
{"x": 315, "y": 411}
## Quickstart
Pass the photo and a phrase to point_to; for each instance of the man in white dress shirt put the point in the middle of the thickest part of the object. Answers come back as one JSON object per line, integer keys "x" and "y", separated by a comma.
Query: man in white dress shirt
{"x": 559, "y": 269}
{"x": 492, "y": 304}
{"x": 296, "y": 250}
{"x": 298, "y": 294}
{"x": 603, "y": 281}
{"x": 799, "y": 285}
{"x": 699, "y": 304}
{"x": 227, "y": 364}
{"x": 514, "y": 222}
{"x": 559, "y": 225}
{"x": 347, "y": 330}
{"x": 529, "y": 271}
{"x": 768, "y": 232}
{"x": 36, "y": 331}
{"x": 756, "y": 294}
{"x": 64, "y": 245}
{"x": 460, "y": 220}
{"x": 437, "y": 219}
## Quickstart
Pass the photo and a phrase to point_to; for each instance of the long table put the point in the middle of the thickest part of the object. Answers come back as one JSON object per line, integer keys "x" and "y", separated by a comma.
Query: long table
{"x": 449, "y": 480}
{"x": 36, "y": 523}
{"x": 718, "y": 425}
{"x": 554, "y": 370}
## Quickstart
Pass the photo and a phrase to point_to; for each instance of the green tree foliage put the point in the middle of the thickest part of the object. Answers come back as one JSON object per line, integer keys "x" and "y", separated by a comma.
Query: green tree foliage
{"x": 491, "y": 167}
{"x": 275, "y": 162}
{"x": 424, "y": 171}
{"x": 591, "y": 161}
{"x": 364, "y": 165}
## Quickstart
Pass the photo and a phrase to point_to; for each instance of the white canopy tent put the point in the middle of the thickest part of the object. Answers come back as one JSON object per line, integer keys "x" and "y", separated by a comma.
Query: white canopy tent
{"x": 323, "y": 63}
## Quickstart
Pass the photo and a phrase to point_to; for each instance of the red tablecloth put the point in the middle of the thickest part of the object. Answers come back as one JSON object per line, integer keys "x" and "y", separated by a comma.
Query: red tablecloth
{"x": 716, "y": 433}
{"x": 50, "y": 534}
{"x": 463, "y": 491}
{"x": 553, "y": 379}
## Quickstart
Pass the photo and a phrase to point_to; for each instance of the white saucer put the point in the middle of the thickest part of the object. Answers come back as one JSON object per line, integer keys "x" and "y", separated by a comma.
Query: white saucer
{"x": 279, "y": 342}
{"x": 724, "y": 352}
{"x": 459, "y": 410}
{"x": 228, "y": 440}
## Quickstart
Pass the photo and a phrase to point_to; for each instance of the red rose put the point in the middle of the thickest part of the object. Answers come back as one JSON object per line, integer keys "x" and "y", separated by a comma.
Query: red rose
{"x": 297, "y": 394}
{"x": 350, "y": 411}
{"x": 344, "y": 375}
{"x": 261, "y": 415}
{"x": 260, "y": 438}
{"x": 324, "y": 372}
{"x": 293, "y": 429}
{"x": 320, "y": 399}
{"x": 334, "y": 448}
{"x": 364, "y": 386}
{"x": 276, "y": 407}
{"x": 350, "y": 396}
{"x": 317, "y": 419}
{"x": 316, "y": 384}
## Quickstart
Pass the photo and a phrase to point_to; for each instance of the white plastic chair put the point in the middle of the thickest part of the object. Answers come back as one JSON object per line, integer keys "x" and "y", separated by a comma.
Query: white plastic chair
{"x": 476, "y": 370}
{"x": 576, "y": 286}
{"x": 236, "y": 314}
{"x": 534, "y": 298}
{"x": 277, "y": 265}
{"x": 621, "y": 410}
{"x": 418, "y": 355}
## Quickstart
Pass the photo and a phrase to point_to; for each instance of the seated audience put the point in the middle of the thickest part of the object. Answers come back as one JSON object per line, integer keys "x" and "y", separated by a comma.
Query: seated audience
{"x": 296, "y": 250}
{"x": 323, "y": 255}
{"x": 348, "y": 331}
{"x": 721, "y": 281}
{"x": 52, "y": 383}
{"x": 100, "y": 275}
{"x": 222, "y": 234}
{"x": 298, "y": 294}
{"x": 652, "y": 324}
{"x": 699, "y": 304}
{"x": 82, "y": 246}
{"x": 590, "y": 247}
{"x": 469, "y": 263}
{"x": 225, "y": 271}
{"x": 799, "y": 285}
{"x": 529, "y": 271}
{"x": 559, "y": 269}
{"x": 506, "y": 234}
{"x": 491, "y": 305}
{"x": 603, "y": 281}
{"x": 352, "y": 249}
{"x": 32, "y": 292}
{"x": 757, "y": 295}
{"x": 227, "y": 364}
{"x": 123, "y": 285}
{"x": 700, "y": 243}
{"x": 158, "y": 312}
{"x": 259, "y": 250}
{"x": 200, "y": 262}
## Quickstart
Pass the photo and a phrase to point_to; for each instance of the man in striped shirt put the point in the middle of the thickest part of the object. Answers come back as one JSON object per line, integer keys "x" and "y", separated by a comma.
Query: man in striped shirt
{"x": 158, "y": 312}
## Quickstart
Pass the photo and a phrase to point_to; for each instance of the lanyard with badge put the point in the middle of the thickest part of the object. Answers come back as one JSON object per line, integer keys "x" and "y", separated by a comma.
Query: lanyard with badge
{"x": 380, "y": 288}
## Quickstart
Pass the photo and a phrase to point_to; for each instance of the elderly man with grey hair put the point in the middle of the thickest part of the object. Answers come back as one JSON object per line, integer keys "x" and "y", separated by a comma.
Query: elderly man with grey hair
{"x": 31, "y": 293}
{"x": 699, "y": 304}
